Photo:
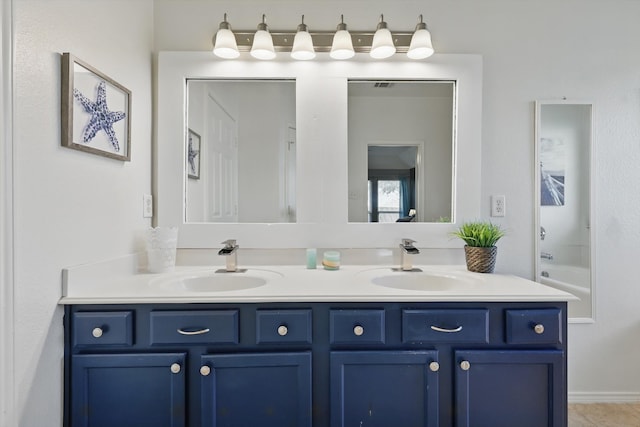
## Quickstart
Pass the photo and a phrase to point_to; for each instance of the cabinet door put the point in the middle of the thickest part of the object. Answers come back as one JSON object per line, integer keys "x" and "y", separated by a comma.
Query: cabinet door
{"x": 510, "y": 388}
{"x": 384, "y": 388}
{"x": 128, "y": 390}
{"x": 256, "y": 389}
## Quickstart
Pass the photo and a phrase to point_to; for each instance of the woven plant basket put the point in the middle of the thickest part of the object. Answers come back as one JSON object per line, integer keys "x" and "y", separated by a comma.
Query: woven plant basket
{"x": 480, "y": 259}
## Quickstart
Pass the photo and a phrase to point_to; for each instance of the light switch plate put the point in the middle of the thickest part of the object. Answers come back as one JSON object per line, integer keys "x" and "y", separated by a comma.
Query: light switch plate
{"x": 147, "y": 206}
{"x": 498, "y": 206}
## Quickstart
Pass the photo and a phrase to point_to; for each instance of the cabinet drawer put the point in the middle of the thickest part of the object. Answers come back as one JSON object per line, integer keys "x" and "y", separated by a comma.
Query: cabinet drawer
{"x": 448, "y": 325}
{"x": 194, "y": 326}
{"x": 357, "y": 326}
{"x": 112, "y": 328}
{"x": 290, "y": 326}
{"x": 537, "y": 326}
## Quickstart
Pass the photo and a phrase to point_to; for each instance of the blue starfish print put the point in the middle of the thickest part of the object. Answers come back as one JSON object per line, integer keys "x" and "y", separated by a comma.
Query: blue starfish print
{"x": 101, "y": 117}
{"x": 191, "y": 155}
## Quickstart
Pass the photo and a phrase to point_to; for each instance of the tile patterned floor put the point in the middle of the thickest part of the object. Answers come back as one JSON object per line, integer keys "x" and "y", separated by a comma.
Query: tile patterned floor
{"x": 604, "y": 415}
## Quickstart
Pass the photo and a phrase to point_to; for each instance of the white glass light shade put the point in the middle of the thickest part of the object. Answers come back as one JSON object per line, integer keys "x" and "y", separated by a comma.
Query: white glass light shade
{"x": 225, "y": 45}
{"x": 342, "y": 47}
{"x": 262, "y": 47}
{"x": 382, "y": 46}
{"x": 420, "y": 47}
{"x": 303, "y": 46}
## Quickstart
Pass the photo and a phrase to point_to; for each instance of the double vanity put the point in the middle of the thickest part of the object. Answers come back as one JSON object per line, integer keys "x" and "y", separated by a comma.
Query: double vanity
{"x": 287, "y": 346}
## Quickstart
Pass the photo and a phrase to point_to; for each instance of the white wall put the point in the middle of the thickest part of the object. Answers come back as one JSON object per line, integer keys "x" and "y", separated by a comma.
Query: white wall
{"x": 581, "y": 49}
{"x": 70, "y": 207}
{"x": 7, "y": 415}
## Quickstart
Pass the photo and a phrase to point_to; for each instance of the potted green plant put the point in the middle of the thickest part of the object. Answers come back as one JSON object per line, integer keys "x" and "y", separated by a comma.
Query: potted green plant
{"x": 480, "y": 250}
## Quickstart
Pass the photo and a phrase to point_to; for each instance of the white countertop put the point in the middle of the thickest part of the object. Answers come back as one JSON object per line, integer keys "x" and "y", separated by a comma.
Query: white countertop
{"x": 118, "y": 282}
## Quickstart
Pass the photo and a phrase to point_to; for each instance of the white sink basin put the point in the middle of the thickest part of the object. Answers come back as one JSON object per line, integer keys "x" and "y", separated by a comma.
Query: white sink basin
{"x": 213, "y": 281}
{"x": 421, "y": 281}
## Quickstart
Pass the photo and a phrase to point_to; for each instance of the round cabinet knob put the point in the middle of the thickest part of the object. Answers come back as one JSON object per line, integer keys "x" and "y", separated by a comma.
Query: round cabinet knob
{"x": 205, "y": 370}
{"x": 282, "y": 330}
{"x": 465, "y": 365}
{"x": 175, "y": 368}
{"x": 97, "y": 332}
{"x": 539, "y": 329}
{"x": 434, "y": 366}
{"x": 358, "y": 330}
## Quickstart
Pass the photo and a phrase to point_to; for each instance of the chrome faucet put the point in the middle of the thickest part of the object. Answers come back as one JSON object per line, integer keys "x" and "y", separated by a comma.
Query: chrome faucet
{"x": 546, "y": 255}
{"x": 406, "y": 250}
{"x": 230, "y": 252}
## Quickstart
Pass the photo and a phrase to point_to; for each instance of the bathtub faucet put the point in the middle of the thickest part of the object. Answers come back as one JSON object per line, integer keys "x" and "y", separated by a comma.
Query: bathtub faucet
{"x": 546, "y": 255}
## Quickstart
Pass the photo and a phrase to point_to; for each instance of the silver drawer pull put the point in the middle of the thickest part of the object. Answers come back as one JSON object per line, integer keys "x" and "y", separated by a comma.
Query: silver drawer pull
{"x": 434, "y": 366}
{"x": 539, "y": 329}
{"x": 198, "y": 332}
{"x": 283, "y": 330}
{"x": 358, "y": 330}
{"x": 465, "y": 365}
{"x": 449, "y": 331}
{"x": 176, "y": 368}
{"x": 97, "y": 332}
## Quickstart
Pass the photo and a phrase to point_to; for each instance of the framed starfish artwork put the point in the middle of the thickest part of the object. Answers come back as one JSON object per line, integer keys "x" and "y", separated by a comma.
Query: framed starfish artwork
{"x": 193, "y": 155}
{"x": 96, "y": 111}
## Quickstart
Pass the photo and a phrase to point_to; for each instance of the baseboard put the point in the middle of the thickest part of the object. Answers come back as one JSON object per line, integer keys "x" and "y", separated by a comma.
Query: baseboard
{"x": 604, "y": 397}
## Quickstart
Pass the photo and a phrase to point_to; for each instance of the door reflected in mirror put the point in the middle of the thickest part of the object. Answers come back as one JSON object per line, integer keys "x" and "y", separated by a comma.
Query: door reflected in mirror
{"x": 240, "y": 151}
{"x": 564, "y": 256}
{"x": 401, "y": 150}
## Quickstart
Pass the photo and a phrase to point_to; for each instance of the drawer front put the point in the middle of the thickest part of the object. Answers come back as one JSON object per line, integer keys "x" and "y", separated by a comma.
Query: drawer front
{"x": 111, "y": 328}
{"x": 287, "y": 326}
{"x": 357, "y": 326}
{"x": 194, "y": 327}
{"x": 537, "y": 326}
{"x": 448, "y": 325}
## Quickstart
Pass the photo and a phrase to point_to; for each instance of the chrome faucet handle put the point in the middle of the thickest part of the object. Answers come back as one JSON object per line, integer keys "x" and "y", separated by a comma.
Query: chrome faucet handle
{"x": 408, "y": 242}
{"x": 229, "y": 243}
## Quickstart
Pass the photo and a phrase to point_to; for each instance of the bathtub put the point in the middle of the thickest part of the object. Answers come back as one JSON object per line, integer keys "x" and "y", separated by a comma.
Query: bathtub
{"x": 573, "y": 279}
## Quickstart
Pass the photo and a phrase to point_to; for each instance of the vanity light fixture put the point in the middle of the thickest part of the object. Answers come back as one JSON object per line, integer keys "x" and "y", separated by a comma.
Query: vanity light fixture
{"x": 262, "y": 47}
{"x": 303, "y": 44}
{"x": 224, "y": 42}
{"x": 421, "y": 46}
{"x": 382, "y": 46}
{"x": 342, "y": 46}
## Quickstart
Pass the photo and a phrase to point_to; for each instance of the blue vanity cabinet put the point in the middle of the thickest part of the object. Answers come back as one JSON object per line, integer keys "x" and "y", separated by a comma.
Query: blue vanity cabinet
{"x": 384, "y": 388}
{"x": 316, "y": 364}
{"x": 128, "y": 390}
{"x": 256, "y": 389}
{"x": 506, "y": 388}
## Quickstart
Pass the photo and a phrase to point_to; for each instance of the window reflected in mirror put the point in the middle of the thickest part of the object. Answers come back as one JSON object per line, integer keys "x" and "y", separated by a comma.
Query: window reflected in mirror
{"x": 240, "y": 151}
{"x": 401, "y": 150}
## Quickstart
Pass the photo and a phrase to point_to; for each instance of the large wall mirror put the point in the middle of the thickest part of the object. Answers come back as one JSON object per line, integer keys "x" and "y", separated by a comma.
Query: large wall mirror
{"x": 401, "y": 147}
{"x": 293, "y": 179}
{"x": 564, "y": 200}
{"x": 241, "y": 151}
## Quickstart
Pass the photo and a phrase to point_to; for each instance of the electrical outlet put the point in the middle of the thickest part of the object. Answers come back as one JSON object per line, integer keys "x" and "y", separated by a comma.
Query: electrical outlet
{"x": 498, "y": 206}
{"x": 147, "y": 206}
